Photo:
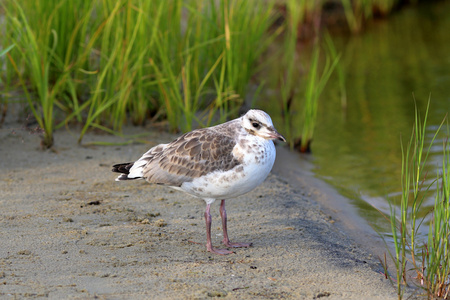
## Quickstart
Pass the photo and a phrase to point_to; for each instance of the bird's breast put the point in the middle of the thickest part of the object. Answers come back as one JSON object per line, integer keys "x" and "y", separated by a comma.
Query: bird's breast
{"x": 256, "y": 162}
{"x": 255, "y": 151}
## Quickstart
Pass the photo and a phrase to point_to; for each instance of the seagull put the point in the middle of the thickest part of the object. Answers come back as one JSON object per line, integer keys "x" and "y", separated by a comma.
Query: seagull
{"x": 219, "y": 162}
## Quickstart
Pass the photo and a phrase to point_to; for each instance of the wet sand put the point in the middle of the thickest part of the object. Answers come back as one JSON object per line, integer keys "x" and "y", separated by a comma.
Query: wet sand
{"x": 68, "y": 230}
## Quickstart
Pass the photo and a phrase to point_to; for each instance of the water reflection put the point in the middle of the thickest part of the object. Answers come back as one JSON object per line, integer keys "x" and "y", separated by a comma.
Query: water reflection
{"x": 357, "y": 150}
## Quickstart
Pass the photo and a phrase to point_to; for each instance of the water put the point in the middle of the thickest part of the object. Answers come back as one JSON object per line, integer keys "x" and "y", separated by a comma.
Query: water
{"x": 357, "y": 149}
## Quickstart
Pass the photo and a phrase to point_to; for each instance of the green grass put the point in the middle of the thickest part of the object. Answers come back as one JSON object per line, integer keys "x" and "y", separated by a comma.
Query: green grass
{"x": 303, "y": 88}
{"x": 106, "y": 63}
{"x": 3, "y": 103}
{"x": 315, "y": 84}
{"x": 37, "y": 52}
{"x": 289, "y": 92}
{"x": 42, "y": 66}
{"x": 436, "y": 253}
{"x": 430, "y": 261}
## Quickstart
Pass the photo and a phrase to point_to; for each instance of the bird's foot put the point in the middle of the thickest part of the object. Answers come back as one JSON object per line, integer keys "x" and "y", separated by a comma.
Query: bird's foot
{"x": 219, "y": 251}
{"x": 236, "y": 245}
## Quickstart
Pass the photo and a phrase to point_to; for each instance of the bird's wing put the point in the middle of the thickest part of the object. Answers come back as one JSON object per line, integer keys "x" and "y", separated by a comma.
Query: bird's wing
{"x": 192, "y": 155}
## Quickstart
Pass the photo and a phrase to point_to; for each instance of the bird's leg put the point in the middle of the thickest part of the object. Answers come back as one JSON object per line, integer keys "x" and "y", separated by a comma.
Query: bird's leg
{"x": 226, "y": 240}
{"x": 209, "y": 246}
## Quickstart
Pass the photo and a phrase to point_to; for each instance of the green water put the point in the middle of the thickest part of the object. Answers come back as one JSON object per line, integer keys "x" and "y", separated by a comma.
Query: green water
{"x": 357, "y": 149}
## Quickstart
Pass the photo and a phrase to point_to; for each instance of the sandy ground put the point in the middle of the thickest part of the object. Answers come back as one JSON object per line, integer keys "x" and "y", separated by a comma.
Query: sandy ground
{"x": 68, "y": 230}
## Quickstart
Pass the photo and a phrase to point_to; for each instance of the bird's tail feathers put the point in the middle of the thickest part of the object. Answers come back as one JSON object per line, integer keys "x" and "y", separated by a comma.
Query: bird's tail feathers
{"x": 127, "y": 172}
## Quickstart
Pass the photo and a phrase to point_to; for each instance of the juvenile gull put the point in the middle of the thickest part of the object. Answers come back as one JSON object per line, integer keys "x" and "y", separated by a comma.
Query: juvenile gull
{"x": 219, "y": 162}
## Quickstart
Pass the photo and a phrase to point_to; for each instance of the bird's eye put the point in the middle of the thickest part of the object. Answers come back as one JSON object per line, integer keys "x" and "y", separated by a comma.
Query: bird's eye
{"x": 256, "y": 125}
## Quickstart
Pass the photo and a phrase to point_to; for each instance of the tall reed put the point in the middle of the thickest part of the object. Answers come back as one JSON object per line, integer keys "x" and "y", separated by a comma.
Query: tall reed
{"x": 182, "y": 66}
{"x": 299, "y": 88}
{"x": 340, "y": 69}
{"x": 218, "y": 53}
{"x": 37, "y": 51}
{"x": 3, "y": 102}
{"x": 3, "y": 53}
{"x": 46, "y": 34}
{"x": 288, "y": 86}
{"x": 246, "y": 36}
{"x": 103, "y": 63}
{"x": 436, "y": 253}
{"x": 314, "y": 86}
{"x": 431, "y": 267}
{"x": 121, "y": 82}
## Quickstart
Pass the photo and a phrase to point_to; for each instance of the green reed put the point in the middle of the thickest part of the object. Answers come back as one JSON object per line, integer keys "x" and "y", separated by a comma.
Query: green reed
{"x": 315, "y": 84}
{"x": 436, "y": 253}
{"x": 43, "y": 67}
{"x": 302, "y": 88}
{"x": 289, "y": 93}
{"x": 183, "y": 74}
{"x": 245, "y": 26}
{"x": 432, "y": 267}
{"x": 340, "y": 69}
{"x": 105, "y": 62}
{"x": 36, "y": 49}
{"x": 120, "y": 85}
{"x": 218, "y": 56}
{"x": 3, "y": 102}
{"x": 3, "y": 53}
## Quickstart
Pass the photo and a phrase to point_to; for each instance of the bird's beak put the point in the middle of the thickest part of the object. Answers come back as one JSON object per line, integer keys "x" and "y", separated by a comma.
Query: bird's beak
{"x": 276, "y": 136}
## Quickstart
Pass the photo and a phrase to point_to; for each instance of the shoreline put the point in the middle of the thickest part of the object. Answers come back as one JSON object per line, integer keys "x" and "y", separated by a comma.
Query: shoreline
{"x": 296, "y": 169}
{"x": 71, "y": 231}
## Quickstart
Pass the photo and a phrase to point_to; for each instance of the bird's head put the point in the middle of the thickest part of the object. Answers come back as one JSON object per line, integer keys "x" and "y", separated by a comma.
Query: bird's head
{"x": 259, "y": 123}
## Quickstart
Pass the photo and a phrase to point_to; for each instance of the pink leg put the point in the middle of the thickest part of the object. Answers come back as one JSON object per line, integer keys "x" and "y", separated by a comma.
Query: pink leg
{"x": 209, "y": 246}
{"x": 226, "y": 240}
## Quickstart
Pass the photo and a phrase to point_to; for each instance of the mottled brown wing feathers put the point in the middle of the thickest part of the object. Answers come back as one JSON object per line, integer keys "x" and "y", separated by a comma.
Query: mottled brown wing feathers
{"x": 192, "y": 155}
